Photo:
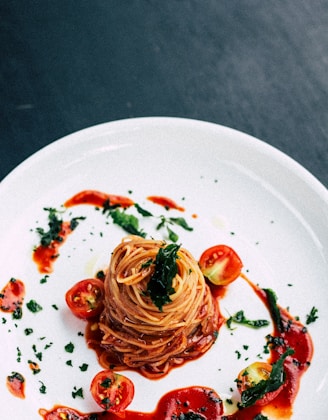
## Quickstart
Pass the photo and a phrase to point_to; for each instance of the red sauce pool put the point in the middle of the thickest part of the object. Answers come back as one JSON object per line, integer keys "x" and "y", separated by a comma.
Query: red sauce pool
{"x": 193, "y": 400}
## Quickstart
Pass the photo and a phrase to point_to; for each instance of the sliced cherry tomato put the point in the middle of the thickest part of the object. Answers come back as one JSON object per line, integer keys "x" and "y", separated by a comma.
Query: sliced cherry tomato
{"x": 113, "y": 392}
{"x": 85, "y": 298}
{"x": 252, "y": 375}
{"x": 220, "y": 264}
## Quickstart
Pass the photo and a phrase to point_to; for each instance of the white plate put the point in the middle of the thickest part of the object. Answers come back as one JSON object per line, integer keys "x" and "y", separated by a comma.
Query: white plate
{"x": 244, "y": 192}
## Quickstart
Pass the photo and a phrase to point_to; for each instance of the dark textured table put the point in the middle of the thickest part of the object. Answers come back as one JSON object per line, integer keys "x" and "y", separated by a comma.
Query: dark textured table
{"x": 259, "y": 66}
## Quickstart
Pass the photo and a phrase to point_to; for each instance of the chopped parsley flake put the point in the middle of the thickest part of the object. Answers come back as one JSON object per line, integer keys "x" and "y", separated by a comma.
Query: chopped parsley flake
{"x": 84, "y": 367}
{"x": 55, "y": 226}
{"x": 28, "y": 331}
{"x": 33, "y": 306}
{"x": 48, "y": 345}
{"x": 19, "y": 354}
{"x": 69, "y": 347}
{"x": 18, "y": 313}
{"x": 100, "y": 275}
{"x": 43, "y": 388}
{"x": 77, "y": 393}
{"x": 44, "y": 279}
{"x": 312, "y": 316}
{"x": 106, "y": 383}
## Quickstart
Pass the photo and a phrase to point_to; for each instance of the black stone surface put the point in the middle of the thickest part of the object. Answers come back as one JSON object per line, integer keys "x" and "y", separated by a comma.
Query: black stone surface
{"x": 259, "y": 66}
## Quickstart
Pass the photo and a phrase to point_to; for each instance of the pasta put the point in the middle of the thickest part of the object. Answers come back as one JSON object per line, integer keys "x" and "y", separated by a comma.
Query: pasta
{"x": 139, "y": 335}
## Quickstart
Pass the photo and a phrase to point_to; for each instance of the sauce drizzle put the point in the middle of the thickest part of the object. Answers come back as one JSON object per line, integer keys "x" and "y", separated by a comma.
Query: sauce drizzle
{"x": 166, "y": 202}
{"x": 98, "y": 198}
{"x": 16, "y": 385}
{"x": 44, "y": 256}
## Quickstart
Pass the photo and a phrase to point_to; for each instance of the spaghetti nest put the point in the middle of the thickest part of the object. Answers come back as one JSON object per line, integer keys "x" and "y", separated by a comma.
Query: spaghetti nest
{"x": 138, "y": 334}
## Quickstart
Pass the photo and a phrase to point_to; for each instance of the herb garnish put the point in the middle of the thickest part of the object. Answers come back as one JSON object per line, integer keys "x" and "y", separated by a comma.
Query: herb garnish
{"x": 43, "y": 388}
{"x": 312, "y": 316}
{"x": 17, "y": 313}
{"x": 239, "y": 318}
{"x": 178, "y": 221}
{"x": 276, "y": 379}
{"x": 77, "y": 392}
{"x": 33, "y": 306}
{"x": 128, "y": 222}
{"x": 69, "y": 347}
{"x": 142, "y": 211}
{"x": 274, "y": 309}
{"x": 160, "y": 284}
{"x": 106, "y": 383}
{"x": 84, "y": 367}
{"x": 55, "y": 226}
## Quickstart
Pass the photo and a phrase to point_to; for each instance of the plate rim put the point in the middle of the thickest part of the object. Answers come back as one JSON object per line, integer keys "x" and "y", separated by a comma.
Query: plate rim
{"x": 299, "y": 170}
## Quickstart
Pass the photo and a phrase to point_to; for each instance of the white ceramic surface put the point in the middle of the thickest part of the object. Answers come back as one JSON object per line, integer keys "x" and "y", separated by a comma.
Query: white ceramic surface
{"x": 245, "y": 194}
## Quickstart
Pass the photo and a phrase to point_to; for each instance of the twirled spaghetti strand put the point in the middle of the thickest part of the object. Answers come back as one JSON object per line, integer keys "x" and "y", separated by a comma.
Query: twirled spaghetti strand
{"x": 136, "y": 333}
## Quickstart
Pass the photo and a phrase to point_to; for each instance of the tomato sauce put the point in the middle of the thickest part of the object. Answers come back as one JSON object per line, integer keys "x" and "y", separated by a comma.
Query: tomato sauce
{"x": 98, "y": 198}
{"x": 294, "y": 335}
{"x": 168, "y": 203}
{"x": 202, "y": 401}
{"x": 45, "y": 256}
{"x": 16, "y": 385}
{"x": 12, "y": 296}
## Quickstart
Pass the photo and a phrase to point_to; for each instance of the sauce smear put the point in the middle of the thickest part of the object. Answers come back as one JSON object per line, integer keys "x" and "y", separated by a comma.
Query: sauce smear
{"x": 12, "y": 296}
{"x": 189, "y": 403}
{"x": 98, "y": 198}
{"x": 45, "y": 255}
{"x": 16, "y": 385}
{"x": 166, "y": 202}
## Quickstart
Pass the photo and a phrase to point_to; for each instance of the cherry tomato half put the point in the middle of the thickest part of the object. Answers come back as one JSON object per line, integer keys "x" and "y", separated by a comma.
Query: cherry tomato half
{"x": 113, "y": 392}
{"x": 85, "y": 298}
{"x": 220, "y": 264}
{"x": 252, "y": 375}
